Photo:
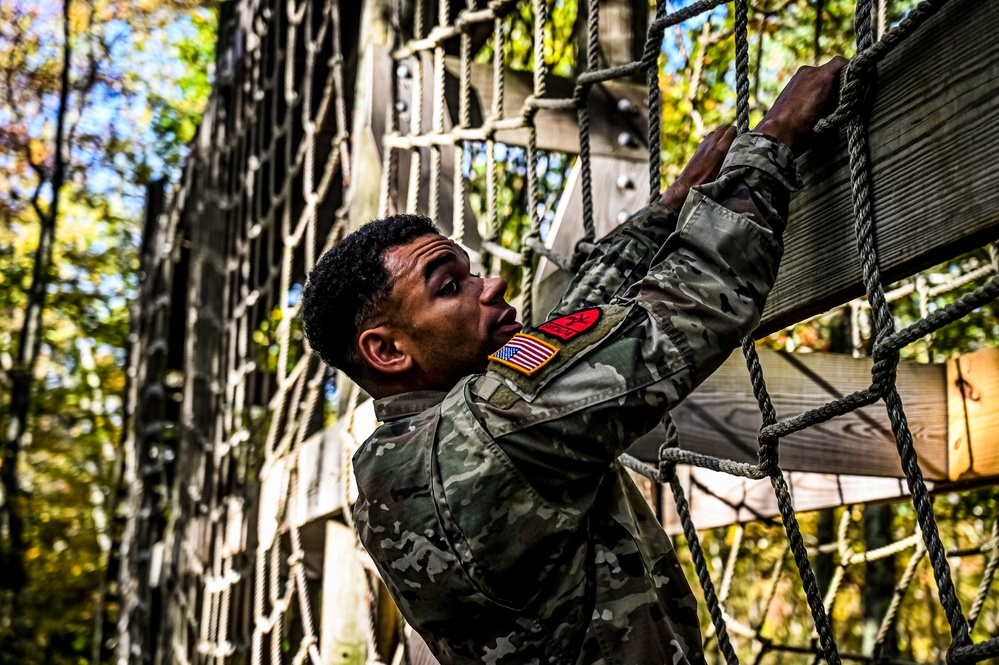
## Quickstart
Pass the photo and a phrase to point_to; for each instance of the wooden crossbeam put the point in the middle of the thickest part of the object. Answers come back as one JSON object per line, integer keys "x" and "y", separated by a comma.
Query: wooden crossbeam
{"x": 934, "y": 137}
{"x": 721, "y": 418}
{"x": 718, "y": 499}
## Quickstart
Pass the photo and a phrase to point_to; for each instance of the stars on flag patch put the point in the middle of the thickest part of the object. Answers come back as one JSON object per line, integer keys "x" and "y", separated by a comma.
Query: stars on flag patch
{"x": 525, "y": 353}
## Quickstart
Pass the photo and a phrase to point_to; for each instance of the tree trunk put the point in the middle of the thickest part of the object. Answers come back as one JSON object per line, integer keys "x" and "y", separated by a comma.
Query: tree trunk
{"x": 879, "y": 584}
{"x": 29, "y": 344}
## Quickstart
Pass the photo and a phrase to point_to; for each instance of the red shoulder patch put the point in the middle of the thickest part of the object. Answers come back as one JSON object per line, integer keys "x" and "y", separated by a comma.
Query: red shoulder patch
{"x": 568, "y": 326}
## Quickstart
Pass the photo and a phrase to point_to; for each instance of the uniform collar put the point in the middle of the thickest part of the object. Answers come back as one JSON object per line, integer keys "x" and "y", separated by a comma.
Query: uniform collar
{"x": 407, "y": 404}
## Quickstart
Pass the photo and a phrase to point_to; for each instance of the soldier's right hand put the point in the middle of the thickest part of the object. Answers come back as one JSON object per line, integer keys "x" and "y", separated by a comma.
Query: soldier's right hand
{"x": 805, "y": 99}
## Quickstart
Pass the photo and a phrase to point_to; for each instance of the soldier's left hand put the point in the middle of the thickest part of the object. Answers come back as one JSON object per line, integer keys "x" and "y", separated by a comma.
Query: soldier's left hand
{"x": 703, "y": 167}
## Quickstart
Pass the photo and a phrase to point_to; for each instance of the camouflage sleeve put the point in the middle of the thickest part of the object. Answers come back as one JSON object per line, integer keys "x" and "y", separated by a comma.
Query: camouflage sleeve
{"x": 563, "y": 426}
{"x": 620, "y": 259}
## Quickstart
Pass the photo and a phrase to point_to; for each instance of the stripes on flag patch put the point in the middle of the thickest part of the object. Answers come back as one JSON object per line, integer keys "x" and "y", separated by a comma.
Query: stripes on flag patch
{"x": 525, "y": 354}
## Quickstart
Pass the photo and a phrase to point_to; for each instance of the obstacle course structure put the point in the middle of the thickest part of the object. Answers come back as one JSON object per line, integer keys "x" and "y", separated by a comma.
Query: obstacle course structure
{"x": 326, "y": 114}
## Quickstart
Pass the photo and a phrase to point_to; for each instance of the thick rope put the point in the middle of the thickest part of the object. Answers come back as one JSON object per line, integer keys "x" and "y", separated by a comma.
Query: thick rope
{"x": 742, "y": 66}
{"x": 534, "y": 188}
{"x": 884, "y": 322}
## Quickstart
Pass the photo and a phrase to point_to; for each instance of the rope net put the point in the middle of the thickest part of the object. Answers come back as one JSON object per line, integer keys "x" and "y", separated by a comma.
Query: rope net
{"x": 220, "y": 559}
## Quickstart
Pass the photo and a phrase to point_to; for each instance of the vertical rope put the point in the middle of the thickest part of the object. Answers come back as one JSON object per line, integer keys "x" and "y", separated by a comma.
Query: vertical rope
{"x": 886, "y": 362}
{"x": 416, "y": 121}
{"x": 769, "y": 464}
{"x": 987, "y": 576}
{"x": 464, "y": 120}
{"x": 667, "y": 473}
{"x": 891, "y": 614}
{"x": 440, "y": 102}
{"x": 492, "y": 180}
{"x": 582, "y": 101}
{"x": 534, "y": 188}
{"x": 742, "y": 65}
{"x": 650, "y": 62}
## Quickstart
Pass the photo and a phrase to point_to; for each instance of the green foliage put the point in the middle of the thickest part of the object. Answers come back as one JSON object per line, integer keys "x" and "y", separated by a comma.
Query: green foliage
{"x": 140, "y": 74}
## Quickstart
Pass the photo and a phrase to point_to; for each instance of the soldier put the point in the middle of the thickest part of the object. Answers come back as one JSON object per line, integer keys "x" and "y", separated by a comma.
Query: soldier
{"x": 490, "y": 498}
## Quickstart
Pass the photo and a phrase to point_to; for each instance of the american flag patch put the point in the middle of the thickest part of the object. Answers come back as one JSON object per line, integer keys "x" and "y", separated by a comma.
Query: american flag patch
{"x": 525, "y": 354}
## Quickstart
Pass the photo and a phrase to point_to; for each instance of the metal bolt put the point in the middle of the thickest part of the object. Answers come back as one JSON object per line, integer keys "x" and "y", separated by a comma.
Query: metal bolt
{"x": 401, "y": 106}
{"x": 625, "y": 182}
{"x": 622, "y": 217}
{"x": 403, "y": 71}
{"x": 625, "y": 106}
{"x": 625, "y": 140}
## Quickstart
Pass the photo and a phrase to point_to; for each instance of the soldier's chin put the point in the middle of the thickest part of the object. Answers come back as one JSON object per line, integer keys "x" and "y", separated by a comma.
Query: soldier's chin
{"x": 503, "y": 335}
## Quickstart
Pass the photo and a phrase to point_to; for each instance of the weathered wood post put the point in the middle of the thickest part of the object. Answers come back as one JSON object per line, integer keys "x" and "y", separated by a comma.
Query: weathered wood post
{"x": 345, "y": 626}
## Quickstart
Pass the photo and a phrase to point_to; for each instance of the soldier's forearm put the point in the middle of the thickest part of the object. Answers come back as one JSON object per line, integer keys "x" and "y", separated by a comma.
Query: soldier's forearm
{"x": 707, "y": 287}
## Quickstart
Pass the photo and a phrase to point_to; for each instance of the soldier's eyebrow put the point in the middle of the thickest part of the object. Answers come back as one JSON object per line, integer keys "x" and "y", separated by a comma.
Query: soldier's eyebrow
{"x": 434, "y": 264}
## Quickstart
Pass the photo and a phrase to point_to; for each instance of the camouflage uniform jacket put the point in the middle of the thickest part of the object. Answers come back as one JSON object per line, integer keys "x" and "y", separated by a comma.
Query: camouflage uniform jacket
{"x": 497, "y": 513}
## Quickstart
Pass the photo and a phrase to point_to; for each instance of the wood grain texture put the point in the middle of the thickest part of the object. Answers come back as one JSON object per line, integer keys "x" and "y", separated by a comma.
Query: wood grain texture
{"x": 973, "y": 409}
{"x": 623, "y": 26}
{"x": 322, "y": 457}
{"x": 934, "y": 135}
{"x": 718, "y": 499}
{"x": 934, "y": 132}
{"x": 721, "y": 418}
{"x": 344, "y": 613}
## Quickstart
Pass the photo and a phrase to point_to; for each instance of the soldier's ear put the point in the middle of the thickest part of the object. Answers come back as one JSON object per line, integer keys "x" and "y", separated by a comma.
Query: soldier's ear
{"x": 384, "y": 351}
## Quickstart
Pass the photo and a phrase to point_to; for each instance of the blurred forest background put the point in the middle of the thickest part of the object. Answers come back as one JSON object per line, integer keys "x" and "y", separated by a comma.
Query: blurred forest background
{"x": 97, "y": 98}
{"x": 101, "y": 97}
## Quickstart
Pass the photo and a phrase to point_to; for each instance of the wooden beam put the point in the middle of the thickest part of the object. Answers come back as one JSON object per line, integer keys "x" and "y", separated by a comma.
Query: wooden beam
{"x": 722, "y": 418}
{"x": 718, "y": 499}
{"x": 934, "y": 139}
{"x": 371, "y": 90}
{"x": 623, "y": 27}
{"x": 614, "y": 132}
{"x": 973, "y": 405}
{"x": 345, "y": 600}
{"x": 322, "y": 492}
{"x": 934, "y": 135}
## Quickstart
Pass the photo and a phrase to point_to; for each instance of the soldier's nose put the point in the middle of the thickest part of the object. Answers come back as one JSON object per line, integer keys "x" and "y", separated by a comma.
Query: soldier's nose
{"x": 493, "y": 288}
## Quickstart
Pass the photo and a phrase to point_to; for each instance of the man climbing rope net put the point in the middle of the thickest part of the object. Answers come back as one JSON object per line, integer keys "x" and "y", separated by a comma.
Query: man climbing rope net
{"x": 490, "y": 498}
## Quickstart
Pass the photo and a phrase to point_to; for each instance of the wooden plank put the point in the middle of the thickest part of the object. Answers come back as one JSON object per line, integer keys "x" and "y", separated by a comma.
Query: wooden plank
{"x": 722, "y": 418}
{"x": 934, "y": 137}
{"x": 322, "y": 458}
{"x": 371, "y": 90}
{"x": 620, "y": 185}
{"x": 933, "y": 126}
{"x": 718, "y": 499}
{"x": 623, "y": 24}
{"x": 559, "y": 130}
{"x": 973, "y": 405}
{"x": 345, "y": 600}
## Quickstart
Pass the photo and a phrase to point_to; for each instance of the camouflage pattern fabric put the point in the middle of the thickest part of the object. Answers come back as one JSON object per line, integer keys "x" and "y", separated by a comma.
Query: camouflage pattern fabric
{"x": 497, "y": 513}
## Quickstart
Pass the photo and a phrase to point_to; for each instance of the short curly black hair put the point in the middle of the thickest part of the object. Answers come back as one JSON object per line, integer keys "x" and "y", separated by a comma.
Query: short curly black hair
{"x": 349, "y": 285}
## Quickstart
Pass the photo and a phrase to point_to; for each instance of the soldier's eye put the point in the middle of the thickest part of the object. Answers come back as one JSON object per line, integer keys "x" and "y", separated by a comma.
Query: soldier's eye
{"x": 450, "y": 288}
